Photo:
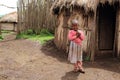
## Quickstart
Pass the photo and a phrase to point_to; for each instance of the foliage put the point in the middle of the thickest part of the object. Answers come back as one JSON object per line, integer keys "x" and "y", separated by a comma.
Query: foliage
{"x": 44, "y": 36}
{"x": 1, "y": 38}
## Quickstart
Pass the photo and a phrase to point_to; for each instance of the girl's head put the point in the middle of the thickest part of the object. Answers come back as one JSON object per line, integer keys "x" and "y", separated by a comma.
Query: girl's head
{"x": 75, "y": 24}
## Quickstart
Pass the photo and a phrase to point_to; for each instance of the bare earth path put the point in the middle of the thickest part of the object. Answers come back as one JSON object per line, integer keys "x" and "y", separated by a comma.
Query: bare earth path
{"x": 28, "y": 60}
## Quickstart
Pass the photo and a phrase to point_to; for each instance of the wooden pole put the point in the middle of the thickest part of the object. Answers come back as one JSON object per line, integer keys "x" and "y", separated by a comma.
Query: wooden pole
{"x": 118, "y": 40}
{"x": 0, "y": 28}
{"x": 93, "y": 26}
{"x": 35, "y": 14}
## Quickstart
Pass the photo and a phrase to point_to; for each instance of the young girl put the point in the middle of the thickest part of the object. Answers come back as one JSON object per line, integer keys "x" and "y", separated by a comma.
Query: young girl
{"x": 75, "y": 51}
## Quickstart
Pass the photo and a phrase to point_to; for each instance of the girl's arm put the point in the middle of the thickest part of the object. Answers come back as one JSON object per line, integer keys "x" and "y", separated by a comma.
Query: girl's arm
{"x": 82, "y": 35}
{"x": 71, "y": 35}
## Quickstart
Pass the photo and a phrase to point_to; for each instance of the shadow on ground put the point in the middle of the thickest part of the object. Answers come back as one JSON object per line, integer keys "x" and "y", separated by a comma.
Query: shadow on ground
{"x": 70, "y": 76}
{"x": 109, "y": 64}
{"x": 50, "y": 49}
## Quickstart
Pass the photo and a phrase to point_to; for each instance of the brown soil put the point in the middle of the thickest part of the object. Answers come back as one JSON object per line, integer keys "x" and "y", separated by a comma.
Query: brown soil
{"x": 28, "y": 60}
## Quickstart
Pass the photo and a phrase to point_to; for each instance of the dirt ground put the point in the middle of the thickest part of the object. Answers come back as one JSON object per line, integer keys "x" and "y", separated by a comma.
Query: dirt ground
{"x": 28, "y": 60}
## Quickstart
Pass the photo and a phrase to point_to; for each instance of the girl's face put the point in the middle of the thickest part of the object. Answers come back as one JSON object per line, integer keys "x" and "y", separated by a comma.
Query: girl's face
{"x": 75, "y": 27}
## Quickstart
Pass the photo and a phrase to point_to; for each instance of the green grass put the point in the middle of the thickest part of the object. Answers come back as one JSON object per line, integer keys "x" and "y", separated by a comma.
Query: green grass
{"x": 5, "y": 32}
{"x": 1, "y": 38}
{"x": 42, "y": 37}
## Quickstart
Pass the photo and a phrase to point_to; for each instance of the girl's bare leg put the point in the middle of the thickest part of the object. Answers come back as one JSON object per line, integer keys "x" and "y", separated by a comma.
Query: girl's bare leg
{"x": 79, "y": 63}
{"x": 76, "y": 67}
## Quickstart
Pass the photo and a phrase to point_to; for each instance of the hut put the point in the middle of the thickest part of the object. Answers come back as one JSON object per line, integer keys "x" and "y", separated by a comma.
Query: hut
{"x": 9, "y": 21}
{"x": 99, "y": 19}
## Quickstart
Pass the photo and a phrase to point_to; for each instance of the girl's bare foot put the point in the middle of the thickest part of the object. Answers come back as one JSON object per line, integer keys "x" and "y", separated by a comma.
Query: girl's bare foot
{"x": 76, "y": 68}
{"x": 80, "y": 67}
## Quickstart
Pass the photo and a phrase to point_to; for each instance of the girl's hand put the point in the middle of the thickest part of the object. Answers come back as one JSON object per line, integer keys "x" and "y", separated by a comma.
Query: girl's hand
{"x": 78, "y": 34}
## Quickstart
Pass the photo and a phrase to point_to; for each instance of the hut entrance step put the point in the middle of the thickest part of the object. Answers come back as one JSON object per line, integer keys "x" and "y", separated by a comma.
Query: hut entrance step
{"x": 106, "y": 30}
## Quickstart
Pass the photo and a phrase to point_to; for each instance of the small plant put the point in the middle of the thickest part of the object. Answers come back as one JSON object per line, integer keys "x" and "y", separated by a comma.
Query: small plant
{"x": 87, "y": 58}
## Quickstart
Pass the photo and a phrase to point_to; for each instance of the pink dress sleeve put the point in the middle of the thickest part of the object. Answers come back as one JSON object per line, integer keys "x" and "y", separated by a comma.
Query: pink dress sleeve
{"x": 82, "y": 35}
{"x": 71, "y": 35}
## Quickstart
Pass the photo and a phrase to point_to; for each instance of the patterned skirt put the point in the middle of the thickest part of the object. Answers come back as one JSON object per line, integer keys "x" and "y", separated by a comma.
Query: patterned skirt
{"x": 75, "y": 52}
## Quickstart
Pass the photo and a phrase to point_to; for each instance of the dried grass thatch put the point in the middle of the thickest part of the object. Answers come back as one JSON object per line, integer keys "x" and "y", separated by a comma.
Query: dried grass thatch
{"x": 11, "y": 17}
{"x": 110, "y": 1}
{"x": 87, "y": 5}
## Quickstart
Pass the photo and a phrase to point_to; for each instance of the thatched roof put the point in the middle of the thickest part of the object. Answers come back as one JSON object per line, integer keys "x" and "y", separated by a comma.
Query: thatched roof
{"x": 87, "y": 5}
{"x": 11, "y": 17}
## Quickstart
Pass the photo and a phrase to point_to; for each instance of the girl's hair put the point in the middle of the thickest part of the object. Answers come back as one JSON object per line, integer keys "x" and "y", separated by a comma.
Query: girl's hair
{"x": 74, "y": 22}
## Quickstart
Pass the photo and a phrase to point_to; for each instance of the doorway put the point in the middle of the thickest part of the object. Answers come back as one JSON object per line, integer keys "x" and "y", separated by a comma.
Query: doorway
{"x": 106, "y": 30}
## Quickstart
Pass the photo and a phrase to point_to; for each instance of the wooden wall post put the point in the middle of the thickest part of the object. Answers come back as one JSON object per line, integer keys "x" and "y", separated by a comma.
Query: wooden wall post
{"x": 118, "y": 46}
{"x": 92, "y": 25}
{"x": 61, "y": 33}
{"x": 0, "y": 28}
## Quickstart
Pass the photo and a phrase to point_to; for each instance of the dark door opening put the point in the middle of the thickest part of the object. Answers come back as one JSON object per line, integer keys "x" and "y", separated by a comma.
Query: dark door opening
{"x": 106, "y": 29}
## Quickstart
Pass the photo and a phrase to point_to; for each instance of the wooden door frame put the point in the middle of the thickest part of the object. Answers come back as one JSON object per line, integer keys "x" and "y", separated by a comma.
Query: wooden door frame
{"x": 116, "y": 48}
{"x": 97, "y": 51}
